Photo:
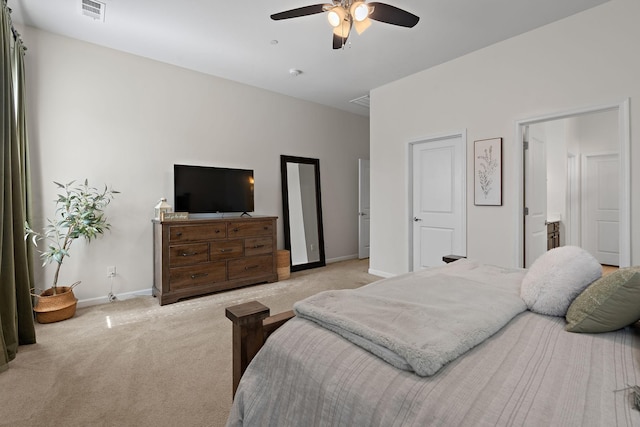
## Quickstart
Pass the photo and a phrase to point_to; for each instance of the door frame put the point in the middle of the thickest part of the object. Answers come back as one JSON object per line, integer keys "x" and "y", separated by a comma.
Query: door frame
{"x": 361, "y": 214}
{"x": 574, "y": 203}
{"x": 535, "y": 194}
{"x": 624, "y": 144}
{"x": 409, "y": 186}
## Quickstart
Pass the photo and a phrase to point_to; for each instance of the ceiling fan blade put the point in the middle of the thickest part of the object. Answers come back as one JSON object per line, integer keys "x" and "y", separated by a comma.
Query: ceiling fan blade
{"x": 392, "y": 15}
{"x": 300, "y": 11}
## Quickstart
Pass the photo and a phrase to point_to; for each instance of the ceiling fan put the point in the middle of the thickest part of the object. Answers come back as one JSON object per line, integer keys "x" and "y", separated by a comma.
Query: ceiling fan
{"x": 343, "y": 14}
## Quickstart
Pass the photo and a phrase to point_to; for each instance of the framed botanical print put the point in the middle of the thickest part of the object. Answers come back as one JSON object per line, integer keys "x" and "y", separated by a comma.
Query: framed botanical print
{"x": 487, "y": 155}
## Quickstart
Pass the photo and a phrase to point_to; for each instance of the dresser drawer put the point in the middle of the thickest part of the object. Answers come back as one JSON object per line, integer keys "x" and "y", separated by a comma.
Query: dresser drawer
{"x": 185, "y": 277}
{"x": 226, "y": 249}
{"x": 250, "y": 228}
{"x": 190, "y": 233}
{"x": 258, "y": 246}
{"x": 188, "y": 254}
{"x": 250, "y": 266}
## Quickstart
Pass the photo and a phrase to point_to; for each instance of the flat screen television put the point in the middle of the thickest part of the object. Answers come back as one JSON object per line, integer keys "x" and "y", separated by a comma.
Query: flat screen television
{"x": 205, "y": 189}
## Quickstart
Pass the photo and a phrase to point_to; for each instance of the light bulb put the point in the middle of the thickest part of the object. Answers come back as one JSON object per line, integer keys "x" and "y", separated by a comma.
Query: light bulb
{"x": 336, "y": 16}
{"x": 359, "y": 11}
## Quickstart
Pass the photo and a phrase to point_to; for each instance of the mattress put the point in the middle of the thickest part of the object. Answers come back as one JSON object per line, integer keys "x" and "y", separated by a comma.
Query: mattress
{"x": 530, "y": 373}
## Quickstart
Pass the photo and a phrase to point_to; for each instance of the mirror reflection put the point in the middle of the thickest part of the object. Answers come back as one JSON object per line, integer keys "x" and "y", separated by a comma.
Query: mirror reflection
{"x": 302, "y": 212}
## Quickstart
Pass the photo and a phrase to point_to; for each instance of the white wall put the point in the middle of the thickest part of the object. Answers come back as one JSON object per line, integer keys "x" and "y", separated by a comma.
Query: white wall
{"x": 596, "y": 133}
{"x": 123, "y": 120}
{"x": 579, "y": 62}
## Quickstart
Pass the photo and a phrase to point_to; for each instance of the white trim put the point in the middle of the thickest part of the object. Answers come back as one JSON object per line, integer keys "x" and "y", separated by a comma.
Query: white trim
{"x": 341, "y": 258}
{"x": 379, "y": 273}
{"x": 145, "y": 292}
{"x": 105, "y": 299}
{"x": 574, "y": 204}
{"x": 624, "y": 142}
{"x": 409, "y": 186}
{"x": 624, "y": 128}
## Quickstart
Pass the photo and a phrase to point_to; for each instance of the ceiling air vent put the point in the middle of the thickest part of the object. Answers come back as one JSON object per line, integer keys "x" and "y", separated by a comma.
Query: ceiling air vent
{"x": 362, "y": 101}
{"x": 93, "y": 9}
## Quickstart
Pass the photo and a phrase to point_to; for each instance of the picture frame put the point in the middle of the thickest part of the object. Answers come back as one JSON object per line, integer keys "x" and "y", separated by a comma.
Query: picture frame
{"x": 487, "y": 155}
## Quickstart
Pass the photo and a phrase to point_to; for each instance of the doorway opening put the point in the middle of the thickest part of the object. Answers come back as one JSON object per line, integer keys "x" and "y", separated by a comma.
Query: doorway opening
{"x": 579, "y": 169}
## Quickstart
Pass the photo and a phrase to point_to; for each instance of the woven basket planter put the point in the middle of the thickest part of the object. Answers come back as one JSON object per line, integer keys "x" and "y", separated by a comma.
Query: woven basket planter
{"x": 283, "y": 264}
{"x": 54, "y": 308}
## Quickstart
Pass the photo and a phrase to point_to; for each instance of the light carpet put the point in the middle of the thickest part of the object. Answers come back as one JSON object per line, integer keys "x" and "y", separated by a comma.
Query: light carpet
{"x": 135, "y": 363}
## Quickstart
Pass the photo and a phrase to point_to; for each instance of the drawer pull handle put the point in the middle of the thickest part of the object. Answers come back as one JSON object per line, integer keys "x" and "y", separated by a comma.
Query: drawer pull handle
{"x": 235, "y": 230}
{"x": 226, "y": 250}
{"x": 197, "y": 276}
{"x": 258, "y": 246}
{"x": 179, "y": 233}
{"x": 251, "y": 267}
{"x": 266, "y": 227}
{"x": 217, "y": 231}
{"x": 189, "y": 253}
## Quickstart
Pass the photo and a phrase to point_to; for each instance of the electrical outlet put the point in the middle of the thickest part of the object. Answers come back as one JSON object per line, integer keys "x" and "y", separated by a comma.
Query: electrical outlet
{"x": 111, "y": 271}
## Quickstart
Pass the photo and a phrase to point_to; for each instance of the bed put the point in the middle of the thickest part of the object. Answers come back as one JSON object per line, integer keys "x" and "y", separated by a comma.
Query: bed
{"x": 523, "y": 369}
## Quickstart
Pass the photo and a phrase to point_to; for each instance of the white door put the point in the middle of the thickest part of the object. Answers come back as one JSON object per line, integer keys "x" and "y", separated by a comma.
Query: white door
{"x": 535, "y": 194}
{"x": 364, "y": 210}
{"x": 601, "y": 220}
{"x": 438, "y": 200}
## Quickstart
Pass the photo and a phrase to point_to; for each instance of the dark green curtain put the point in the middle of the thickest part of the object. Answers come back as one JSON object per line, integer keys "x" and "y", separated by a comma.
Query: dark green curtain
{"x": 16, "y": 315}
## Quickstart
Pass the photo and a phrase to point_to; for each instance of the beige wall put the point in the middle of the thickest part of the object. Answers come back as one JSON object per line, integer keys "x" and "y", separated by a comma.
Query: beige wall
{"x": 582, "y": 61}
{"x": 124, "y": 120}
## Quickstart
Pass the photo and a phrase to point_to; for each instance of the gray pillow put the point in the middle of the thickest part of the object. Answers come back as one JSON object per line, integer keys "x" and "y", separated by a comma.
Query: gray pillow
{"x": 609, "y": 303}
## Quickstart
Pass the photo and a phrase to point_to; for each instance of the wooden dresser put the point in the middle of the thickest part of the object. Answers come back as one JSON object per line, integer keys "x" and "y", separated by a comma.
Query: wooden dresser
{"x": 553, "y": 235}
{"x": 200, "y": 256}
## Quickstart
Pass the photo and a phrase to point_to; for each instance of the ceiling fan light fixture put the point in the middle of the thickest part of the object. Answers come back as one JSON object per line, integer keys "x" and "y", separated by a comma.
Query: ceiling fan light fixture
{"x": 360, "y": 26}
{"x": 336, "y": 16}
{"x": 359, "y": 11}
{"x": 342, "y": 30}
{"x": 345, "y": 14}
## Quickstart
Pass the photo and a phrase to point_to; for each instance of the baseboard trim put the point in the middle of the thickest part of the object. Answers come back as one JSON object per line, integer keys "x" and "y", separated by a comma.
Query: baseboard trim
{"x": 380, "y": 273}
{"x": 105, "y": 299}
{"x": 143, "y": 292}
{"x": 342, "y": 258}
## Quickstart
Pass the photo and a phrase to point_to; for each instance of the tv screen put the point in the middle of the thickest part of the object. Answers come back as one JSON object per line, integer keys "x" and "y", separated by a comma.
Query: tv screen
{"x": 202, "y": 189}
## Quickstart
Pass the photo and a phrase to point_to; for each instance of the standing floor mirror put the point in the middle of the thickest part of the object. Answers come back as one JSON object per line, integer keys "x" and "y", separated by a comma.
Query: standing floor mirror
{"x": 302, "y": 212}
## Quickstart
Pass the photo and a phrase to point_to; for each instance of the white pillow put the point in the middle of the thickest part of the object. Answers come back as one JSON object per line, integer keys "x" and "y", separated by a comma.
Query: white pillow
{"x": 557, "y": 277}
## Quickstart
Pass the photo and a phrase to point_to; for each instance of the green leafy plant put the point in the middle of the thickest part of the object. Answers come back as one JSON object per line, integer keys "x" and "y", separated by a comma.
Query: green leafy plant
{"x": 79, "y": 213}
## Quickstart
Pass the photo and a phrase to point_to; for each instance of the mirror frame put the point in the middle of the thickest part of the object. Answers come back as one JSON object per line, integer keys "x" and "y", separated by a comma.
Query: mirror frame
{"x": 284, "y": 160}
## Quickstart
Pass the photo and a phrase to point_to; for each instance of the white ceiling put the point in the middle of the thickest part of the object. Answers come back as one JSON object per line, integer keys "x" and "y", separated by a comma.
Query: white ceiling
{"x": 233, "y": 39}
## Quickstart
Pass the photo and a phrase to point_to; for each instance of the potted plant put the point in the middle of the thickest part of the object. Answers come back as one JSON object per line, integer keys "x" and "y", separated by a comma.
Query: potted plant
{"x": 79, "y": 213}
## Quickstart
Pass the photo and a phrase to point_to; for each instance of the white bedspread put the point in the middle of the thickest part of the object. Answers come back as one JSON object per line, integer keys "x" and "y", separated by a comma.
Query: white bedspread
{"x": 421, "y": 321}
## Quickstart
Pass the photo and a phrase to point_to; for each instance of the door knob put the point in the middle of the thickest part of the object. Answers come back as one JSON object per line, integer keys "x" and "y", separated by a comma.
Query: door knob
{"x": 362, "y": 214}
{"x": 416, "y": 219}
